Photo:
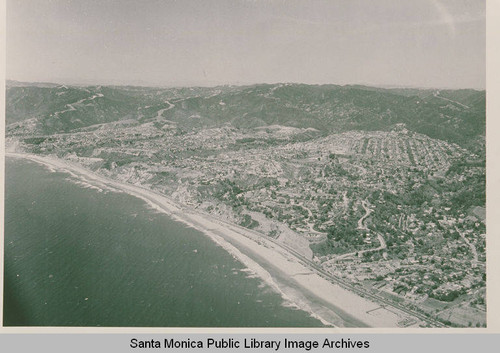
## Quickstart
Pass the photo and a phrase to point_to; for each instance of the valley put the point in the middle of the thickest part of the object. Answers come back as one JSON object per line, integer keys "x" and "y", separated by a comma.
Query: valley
{"x": 383, "y": 189}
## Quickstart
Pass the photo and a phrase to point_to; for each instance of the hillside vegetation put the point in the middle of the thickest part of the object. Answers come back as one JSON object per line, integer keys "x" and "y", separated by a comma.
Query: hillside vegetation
{"x": 454, "y": 116}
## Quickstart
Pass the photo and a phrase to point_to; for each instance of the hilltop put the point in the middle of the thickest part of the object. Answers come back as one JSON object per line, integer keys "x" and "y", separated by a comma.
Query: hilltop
{"x": 451, "y": 115}
{"x": 382, "y": 188}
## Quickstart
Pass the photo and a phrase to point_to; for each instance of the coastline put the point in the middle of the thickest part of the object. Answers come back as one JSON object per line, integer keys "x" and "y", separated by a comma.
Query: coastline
{"x": 299, "y": 284}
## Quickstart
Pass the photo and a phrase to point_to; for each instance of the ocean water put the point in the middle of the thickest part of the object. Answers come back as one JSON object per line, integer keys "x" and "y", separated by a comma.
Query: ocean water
{"x": 80, "y": 256}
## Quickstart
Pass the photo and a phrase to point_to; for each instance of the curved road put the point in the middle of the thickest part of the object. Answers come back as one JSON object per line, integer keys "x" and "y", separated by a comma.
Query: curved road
{"x": 175, "y": 208}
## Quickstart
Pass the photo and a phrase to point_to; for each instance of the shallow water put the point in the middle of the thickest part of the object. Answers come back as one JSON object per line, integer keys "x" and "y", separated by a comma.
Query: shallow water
{"x": 82, "y": 256}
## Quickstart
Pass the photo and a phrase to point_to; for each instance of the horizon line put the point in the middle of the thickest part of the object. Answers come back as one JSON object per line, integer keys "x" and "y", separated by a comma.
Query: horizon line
{"x": 87, "y": 83}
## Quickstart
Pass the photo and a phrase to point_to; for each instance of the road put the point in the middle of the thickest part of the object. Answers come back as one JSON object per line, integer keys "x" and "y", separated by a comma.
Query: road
{"x": 341, "y": 282}
{"x": 71, "y": 106}
{"x": 160, "y": 112}
{"x": 176, "y": 209}
{"x": 471, "y": 246}
{"x": 346, "y": 285}
{"x": 382, "y": 246}
{"x": 436, "y": 94}
{"x": 310, "y": 225}
{"x": 361, "y": 221}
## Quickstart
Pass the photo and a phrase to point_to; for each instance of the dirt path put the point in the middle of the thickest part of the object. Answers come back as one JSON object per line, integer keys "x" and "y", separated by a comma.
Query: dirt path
{"x": 436, "y": 94}
{"x": 361, "y": 221}
{"x": 161, "y": 111}
{"x": 71, "y": 106}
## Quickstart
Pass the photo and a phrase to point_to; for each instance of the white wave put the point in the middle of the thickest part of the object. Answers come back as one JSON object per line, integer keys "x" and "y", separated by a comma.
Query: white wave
{"x": 289, "y": 299}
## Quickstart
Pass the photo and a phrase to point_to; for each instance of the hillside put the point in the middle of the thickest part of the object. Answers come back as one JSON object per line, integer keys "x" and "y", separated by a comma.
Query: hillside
{"x": 383, "y": 188}
{"x": 454, "y": 116}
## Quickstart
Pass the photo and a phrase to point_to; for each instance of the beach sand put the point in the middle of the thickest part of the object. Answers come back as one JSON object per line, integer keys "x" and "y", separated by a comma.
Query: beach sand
{"x": 299, "y": 284}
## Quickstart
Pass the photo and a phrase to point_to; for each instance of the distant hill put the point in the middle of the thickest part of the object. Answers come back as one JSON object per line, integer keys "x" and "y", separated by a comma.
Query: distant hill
{"x": 452, "y": 115}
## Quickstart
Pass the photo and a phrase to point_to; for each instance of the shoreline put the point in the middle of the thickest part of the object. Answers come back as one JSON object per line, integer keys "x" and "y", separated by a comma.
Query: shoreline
{"x": 299, "y": 284}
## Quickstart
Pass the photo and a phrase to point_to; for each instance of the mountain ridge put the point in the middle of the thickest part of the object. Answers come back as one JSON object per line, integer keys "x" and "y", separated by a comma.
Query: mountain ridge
{"x": 453, "y": 115}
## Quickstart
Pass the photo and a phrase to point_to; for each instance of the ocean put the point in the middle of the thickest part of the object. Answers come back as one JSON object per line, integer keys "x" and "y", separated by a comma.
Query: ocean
{"x": 77, "y": 255}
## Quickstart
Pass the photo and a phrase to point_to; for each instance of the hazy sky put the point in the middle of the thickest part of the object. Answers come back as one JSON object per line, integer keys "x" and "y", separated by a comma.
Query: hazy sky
{"x": 424, "y": 43}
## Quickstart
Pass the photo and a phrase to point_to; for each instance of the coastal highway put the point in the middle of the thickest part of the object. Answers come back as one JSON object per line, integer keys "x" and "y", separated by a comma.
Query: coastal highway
{"x": 337, "y": 280}
{"x": 182, "y": 211}
{"x": 365, "y": 294}
{"x": 174, "y": 208}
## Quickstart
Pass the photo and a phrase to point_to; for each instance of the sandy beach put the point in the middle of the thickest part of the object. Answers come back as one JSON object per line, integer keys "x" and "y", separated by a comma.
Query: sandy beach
{"x": 296, "y": 280}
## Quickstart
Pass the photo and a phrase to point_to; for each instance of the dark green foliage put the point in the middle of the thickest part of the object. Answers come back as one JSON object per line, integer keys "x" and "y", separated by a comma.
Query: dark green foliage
{"x": 446, "y": 296}
{"x": 249, "y": 222}
{"x": 35, "y": 102}
{"x": 327, "y": 108}
{"x": 324, "y": 248}
{"x": 34, "y": 140}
